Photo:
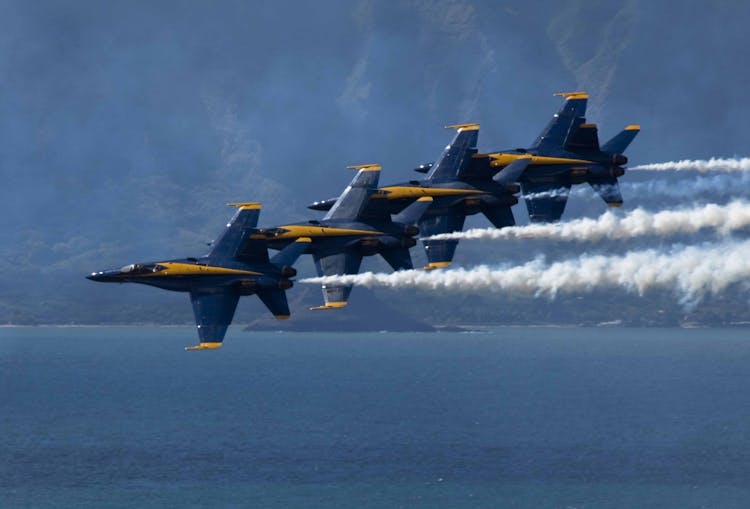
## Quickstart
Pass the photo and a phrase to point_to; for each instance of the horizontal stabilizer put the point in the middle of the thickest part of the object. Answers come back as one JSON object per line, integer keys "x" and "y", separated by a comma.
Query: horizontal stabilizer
{"x": 511, "y": 173}
{"x": 352, "y": 201}
{"x": 288, "y": 256}
{"x": 414, "y": 212}
{"x": 621, "y": 141}
{"x": 609, "y": 190}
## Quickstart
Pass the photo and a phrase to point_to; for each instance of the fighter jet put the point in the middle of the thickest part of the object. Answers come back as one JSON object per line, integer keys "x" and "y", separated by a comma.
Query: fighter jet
{"x": 460, "y": 183}
{"x": 349, "y": 231}
{"x": 237, "y": 265}
{"x": 566, "y": 153}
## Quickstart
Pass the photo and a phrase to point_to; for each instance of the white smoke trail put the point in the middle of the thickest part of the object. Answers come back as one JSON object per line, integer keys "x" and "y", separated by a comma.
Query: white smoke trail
{"x": 723, "y": 218}
{"x": 701, "y": 165}
{"x": 699, "y": 186}
{"x": 692, "y": 272}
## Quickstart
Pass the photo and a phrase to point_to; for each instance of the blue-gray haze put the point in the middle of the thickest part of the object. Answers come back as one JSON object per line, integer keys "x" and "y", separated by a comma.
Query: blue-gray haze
{"x": 126, "y": 126}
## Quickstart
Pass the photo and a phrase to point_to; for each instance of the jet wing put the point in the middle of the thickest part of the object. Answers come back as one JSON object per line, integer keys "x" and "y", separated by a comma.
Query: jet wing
{"x": 275, "y": 301}
{"x": 545, "y": 201}
{"x": 609, "y": 190}
{"x": 456, "y": 157}
{"x": 346, "y": 262}
{"x": 552, "y": 138}
{"x": 440, "y": 252}
{"x": 213, "y": 312}
{"x": 352, "y": 201}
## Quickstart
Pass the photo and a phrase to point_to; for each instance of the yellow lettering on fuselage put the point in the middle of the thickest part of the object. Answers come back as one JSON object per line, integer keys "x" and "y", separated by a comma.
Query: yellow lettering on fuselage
{"x": 294, "y": 231}
{"x": 501, "y": 159}
{"x": 401, "y": 192}
{"x": 191, "y": 269}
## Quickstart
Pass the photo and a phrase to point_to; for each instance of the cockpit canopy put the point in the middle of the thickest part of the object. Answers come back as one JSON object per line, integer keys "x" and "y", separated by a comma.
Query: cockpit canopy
{"x": 140, "y": 268}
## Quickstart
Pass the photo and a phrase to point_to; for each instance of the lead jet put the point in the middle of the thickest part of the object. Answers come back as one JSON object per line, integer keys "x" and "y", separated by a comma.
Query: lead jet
{"x": 237, "y": 265}
{"x": 460, "y": 183}
{"x": 350, "y": 231}
{"x": 567, "y": 153}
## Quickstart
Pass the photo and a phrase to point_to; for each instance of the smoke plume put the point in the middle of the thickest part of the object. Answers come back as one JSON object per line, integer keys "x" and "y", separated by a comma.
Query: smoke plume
{"x": 701, "y": 165}
{"x": 723, "y": 218}
{"x": 692, "y": 272}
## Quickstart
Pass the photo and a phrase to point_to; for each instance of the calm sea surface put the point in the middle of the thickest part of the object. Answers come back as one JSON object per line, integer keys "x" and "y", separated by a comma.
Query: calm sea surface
{"x": 514, "y": 417}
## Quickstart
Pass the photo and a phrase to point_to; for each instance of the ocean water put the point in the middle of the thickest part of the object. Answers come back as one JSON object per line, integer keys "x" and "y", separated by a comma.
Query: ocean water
{"x": 511, "y": 417}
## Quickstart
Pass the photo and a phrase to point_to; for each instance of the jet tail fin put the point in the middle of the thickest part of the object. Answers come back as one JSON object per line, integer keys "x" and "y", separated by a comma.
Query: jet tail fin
{"x": 352, "y": 201}
{"x": 456, "y": 158}
{"x": 620, "y": 142}
{"x": 582, "y": 137}
{"x": 288, "y": 256}
{"x": 554, "y": 134}
{"x": 414, "y": 212}
{"x": 609, "y": 190}
{"x": 232, "y": 243}
{"x": 275, "y": 300}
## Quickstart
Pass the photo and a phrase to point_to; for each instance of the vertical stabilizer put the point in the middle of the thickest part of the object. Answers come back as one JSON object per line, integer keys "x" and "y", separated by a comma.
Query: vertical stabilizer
{"x": 352, "y": 201}
{"x": 456, "y": 158}
{"x": 555, "y": 133}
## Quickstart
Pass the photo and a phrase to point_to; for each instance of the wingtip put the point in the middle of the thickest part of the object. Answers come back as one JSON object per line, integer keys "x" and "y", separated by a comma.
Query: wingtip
{"x": 436, "y": 265}
{"x": 329, "y": 305}
{"x": 633, "y": 127}
{"x": 203, "y": 346}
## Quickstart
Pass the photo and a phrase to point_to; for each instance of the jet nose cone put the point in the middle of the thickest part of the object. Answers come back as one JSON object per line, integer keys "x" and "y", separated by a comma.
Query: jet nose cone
{"x": 95, "y": 276}
{"x": 104, "y": 276}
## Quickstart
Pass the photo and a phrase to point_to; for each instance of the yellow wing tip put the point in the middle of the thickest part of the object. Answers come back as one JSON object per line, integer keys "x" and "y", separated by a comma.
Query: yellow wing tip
{"x": 330, "y": 305}
{"x": 615, "y": 204}
{"x": 248, "y": 205}
{"x": 281, "y": 317}
{"x": 464, "y": 127}
{"x": 425, "y": 198}
{"x": 204, "y": 346}
{"x": 572, "y": 95}
{"x": 436, "y": 265}
{"x": 304, "y": 239}
{"x": 633, "y": 127}
{"x": 364, "y": 167}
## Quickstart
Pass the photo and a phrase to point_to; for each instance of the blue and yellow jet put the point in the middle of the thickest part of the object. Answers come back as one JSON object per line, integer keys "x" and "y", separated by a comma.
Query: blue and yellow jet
{"x": 237, "y": 265}
{"x": 567, "y": 153}
{"x": 351, "y": 230}
{"x": 460, "y": 183}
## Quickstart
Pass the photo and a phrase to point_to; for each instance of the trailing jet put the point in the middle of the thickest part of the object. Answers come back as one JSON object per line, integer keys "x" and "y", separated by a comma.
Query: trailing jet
{"x": 237, "y": 265}
{"x": 460, "y": 183}
{"x": 350, "y": 230}
{"x": 566, "y": 153}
